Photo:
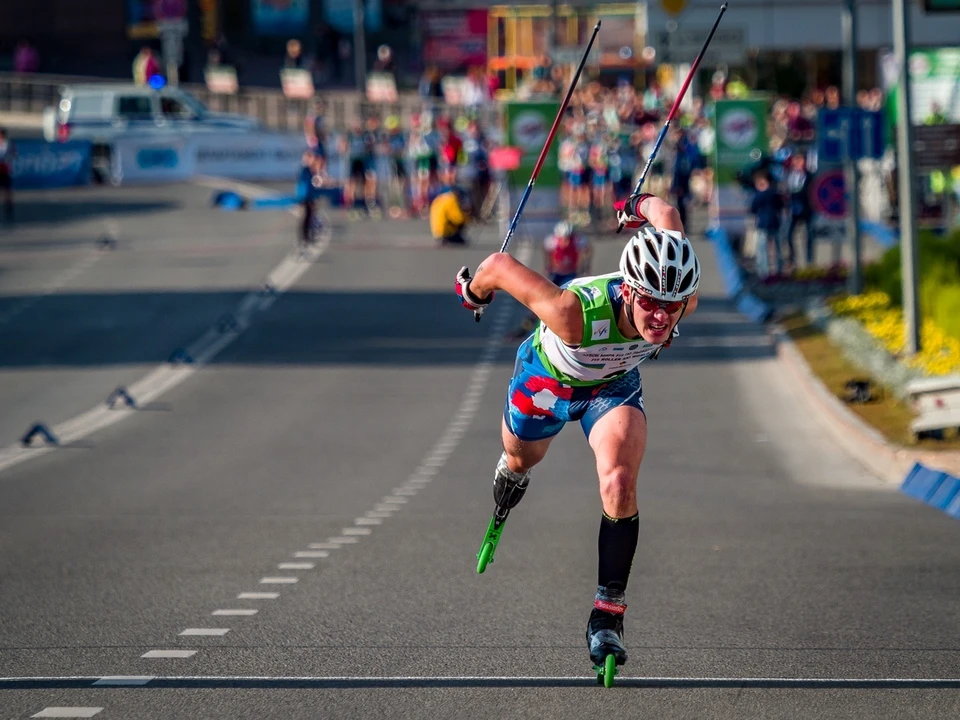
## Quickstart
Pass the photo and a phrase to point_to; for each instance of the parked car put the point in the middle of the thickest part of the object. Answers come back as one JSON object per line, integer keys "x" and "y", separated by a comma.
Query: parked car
{"x": 104, "y": 111}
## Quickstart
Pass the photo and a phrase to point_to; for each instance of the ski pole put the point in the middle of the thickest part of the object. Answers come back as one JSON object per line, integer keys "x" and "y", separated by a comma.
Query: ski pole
{"x": 676, "y": 106}
{"x": 546, "y": 145}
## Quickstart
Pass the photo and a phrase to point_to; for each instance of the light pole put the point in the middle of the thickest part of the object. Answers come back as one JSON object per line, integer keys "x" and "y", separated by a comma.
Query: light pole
{"x": 850, "y": 171}
{"x": 359, "y": 45}
{"x": 908, "y": 239}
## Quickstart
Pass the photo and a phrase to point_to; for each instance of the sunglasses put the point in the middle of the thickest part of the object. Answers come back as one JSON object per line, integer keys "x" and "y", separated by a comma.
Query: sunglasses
{"x": 648, "y": 304}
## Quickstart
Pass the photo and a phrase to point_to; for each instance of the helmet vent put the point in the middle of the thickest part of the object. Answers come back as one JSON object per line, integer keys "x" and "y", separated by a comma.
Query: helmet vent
{"x": 651, "y": 275}
{"x": 685, "y": 283}
{"x": 671, "y": 278}
{"x": 686, "y": 255}
{"x": 672, "y": 252}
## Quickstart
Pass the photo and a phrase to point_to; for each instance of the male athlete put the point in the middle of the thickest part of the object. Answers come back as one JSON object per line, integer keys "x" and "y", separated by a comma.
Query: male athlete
{"x": 581, "y": 364}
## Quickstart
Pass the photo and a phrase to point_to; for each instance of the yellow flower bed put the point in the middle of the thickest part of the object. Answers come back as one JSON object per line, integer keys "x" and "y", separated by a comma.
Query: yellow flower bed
{"x": 940, "y": 353}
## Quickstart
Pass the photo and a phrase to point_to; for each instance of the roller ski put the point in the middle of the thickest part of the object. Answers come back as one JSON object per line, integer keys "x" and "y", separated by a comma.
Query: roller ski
{"x": 508, "y": 490}
{"x": 605, "y": 636}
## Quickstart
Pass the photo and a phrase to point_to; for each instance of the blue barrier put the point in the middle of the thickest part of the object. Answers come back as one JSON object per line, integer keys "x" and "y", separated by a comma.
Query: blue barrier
{"x": 881, "y": 233}
{"x": 38, "y": 164}
{"x": 933, "y": 487}
{"x": 731, "y": 275}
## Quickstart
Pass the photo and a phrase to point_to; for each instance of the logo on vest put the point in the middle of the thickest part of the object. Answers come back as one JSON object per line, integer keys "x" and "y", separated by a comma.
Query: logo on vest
{"x": 600, "y": 330}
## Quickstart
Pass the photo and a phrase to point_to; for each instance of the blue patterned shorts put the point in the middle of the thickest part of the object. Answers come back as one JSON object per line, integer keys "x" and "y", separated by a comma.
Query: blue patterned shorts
{"x": 538, "y": 405}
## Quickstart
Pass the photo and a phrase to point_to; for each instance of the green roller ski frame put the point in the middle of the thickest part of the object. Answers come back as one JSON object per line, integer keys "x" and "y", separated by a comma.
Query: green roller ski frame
{"x": 490, "y": 540}
{"x": 608, "y": 672}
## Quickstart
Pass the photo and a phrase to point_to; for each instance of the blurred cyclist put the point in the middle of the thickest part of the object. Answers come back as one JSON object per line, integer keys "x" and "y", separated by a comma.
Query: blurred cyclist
{"x": 7, "y": 154}
{"x": 309, "y": 189}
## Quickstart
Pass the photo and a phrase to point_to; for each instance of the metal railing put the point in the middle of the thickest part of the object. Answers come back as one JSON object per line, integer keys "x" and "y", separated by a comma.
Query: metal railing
{"x": 33, "y": 93}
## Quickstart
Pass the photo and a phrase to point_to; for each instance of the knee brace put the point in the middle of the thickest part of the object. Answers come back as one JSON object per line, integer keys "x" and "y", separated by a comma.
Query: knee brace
{"x": 508, "y": 486}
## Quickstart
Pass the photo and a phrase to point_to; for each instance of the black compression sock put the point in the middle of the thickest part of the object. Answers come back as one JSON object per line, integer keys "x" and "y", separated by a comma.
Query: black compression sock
{"x": 616, "y": 546}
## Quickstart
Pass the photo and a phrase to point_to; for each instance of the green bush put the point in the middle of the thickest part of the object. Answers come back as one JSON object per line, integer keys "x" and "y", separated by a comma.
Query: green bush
{"x": 939, "y": 276}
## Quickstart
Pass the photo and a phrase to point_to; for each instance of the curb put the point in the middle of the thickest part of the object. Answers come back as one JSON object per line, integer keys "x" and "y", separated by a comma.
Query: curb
{"x": 891, "y": 463}
{"x": 860, "y": 440}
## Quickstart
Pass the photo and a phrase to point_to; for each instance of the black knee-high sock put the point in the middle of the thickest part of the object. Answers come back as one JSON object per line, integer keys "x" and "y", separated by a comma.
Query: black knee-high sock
{"x": 616, "y": 545}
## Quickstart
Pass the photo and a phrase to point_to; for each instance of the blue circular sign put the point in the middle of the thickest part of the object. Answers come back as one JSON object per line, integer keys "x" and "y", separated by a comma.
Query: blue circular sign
{"x": 829, "y": 194}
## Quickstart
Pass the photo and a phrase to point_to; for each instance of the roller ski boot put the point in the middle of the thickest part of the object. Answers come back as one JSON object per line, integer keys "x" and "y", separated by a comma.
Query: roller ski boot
{"x": 508, "y": 490}
{"x": 605, "y": 635}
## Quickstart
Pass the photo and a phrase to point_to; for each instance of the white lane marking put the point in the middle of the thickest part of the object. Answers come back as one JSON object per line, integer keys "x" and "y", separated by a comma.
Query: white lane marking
{"x": 68, "y": 712}
{"x": 295, "y": 566}
{"x": 258, "y": 596}
{"x": 278, "y": 580}
{"x": 165, "y": 377}
{"x": 356, "y": 531}
{"x": 395, "y": 500}
{"x": 379, "y": 514}
{"x": 133, "y": 680}
{"x": 51, "y": 287}
{"x": 323, "y": 546}
{"x": 239, "y": 612}
{"x": 206, "y": 632}
{"x": 169, "y": 654}
{"x": 312, "y": 553}
{"x": 368, "y": 521}
{"x": 343, "y": 540}
{"x": 675, "y": 681}
{"x": 383, "y": 507}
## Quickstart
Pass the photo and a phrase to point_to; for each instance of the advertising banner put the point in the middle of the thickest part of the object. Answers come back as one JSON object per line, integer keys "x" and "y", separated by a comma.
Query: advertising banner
{"x": 279, "y": 17}
{"x": 454, "y": 40}
{"x": 150, "y": 159}
{"x": 741, "y": 132}
{"x": 934, "y": 84}
{"x": 528, "y": 124}
{"x": 39, "y": 164}
{"x": 247, "y": 156}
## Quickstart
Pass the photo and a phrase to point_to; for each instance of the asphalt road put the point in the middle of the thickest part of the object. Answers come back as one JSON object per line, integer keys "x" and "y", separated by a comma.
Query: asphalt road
{"x": 330, "y": 469}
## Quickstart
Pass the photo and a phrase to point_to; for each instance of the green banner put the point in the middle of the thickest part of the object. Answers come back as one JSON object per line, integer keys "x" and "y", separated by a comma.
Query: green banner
{"x": 741, "y": 128}
{"x": 528, "y": 125}
{"x": 934, "y": 79}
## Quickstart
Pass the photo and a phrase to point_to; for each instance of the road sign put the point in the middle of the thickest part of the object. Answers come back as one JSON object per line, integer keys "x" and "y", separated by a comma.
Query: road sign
{"x": 849, "y": 133}
{"x": 829, "y": 194}
{"x": 729, "y": 45}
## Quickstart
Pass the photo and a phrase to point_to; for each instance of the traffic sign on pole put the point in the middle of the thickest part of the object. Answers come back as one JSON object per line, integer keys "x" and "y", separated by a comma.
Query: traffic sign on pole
{"x": 829, "y": 194}
{"x": 850, "y": 133}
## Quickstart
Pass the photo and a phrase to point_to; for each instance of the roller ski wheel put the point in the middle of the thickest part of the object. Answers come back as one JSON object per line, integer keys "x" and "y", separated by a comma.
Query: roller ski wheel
{"x": 606, "y": 672}
{"x": 489, "y": 544}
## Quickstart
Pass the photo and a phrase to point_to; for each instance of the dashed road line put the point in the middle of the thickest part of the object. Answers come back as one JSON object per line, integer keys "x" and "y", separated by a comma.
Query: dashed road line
{"x": 68, "y": 712}
{"x": 175, "y": 654}
{"x": 206, "y": 632}
{"x": 258, "y": 596}
{"x": 238, "y": 612}
{"x": 279, "y": 580}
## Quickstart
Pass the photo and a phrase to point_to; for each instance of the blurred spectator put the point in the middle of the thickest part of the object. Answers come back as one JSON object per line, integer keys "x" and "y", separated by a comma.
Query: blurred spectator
{"x": 145, "y": 65}
{"x": 429, "y": 87}
{"x": 936, "y": 116}
{"x": 831, "y": 98}
{"x": 7, "y": 154}
{"x": 449, "y": 213}
{"x": 293, "y": 59}
{"x": 799, "y": 129}
{"x": 766, "y": 207}
{"x": 313, "y": 129}
{"x": 687, "y": 160}
{"x": 26, "y": 59}
{"x": 801, "y": 211}
{"x": 384, "y": 62}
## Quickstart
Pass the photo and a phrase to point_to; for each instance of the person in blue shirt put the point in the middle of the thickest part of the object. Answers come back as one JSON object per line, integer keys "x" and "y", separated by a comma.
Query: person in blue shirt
{"x": 309, "y": 188}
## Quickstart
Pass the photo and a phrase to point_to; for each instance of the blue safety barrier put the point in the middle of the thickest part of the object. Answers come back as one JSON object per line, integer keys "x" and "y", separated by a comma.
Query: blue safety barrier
{"x": 881, "y": 233}
{"x": 933, "y": 487}
{"x": 38, "y": 164}
{"x": 731, "y": 275}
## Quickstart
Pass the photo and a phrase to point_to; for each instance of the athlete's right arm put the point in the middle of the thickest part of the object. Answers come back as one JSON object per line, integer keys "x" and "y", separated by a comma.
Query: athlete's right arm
{"x": 560, "y": 310}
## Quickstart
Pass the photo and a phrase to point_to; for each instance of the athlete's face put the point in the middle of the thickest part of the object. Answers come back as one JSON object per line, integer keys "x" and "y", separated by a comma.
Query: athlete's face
{"x": 654, "y": 319}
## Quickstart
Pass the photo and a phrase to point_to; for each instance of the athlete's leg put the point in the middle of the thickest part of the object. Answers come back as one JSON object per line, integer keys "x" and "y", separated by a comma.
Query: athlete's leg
{"x": 619, "y": 439}
{"x": 616, "y": 429}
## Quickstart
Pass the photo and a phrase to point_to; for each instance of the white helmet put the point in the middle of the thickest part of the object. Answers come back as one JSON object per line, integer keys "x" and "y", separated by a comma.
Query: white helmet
{"x": 661, "y": 263}
{"x": 563, "y": 229}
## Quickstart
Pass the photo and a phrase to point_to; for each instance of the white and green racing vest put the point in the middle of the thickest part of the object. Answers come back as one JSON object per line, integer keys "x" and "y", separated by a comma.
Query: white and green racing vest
{"x": 603, "y": 353}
